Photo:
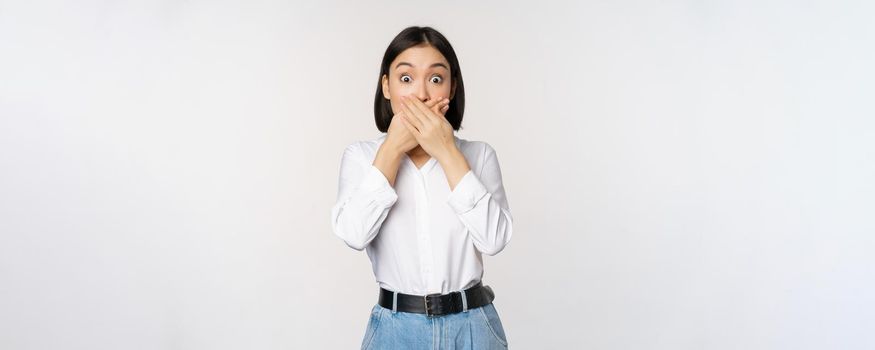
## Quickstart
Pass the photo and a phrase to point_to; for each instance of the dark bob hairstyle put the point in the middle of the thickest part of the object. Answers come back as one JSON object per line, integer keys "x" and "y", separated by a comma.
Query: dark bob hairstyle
{"x": 415, "y": 36}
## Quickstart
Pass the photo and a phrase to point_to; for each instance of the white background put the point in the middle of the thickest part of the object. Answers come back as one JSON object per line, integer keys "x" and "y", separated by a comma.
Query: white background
{"x": 682, "y": 174}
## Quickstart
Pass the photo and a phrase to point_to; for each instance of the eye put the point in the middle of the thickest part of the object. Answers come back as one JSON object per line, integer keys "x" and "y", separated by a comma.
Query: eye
{"x": 405, "y": 78}
{"x": 437, "y": 79}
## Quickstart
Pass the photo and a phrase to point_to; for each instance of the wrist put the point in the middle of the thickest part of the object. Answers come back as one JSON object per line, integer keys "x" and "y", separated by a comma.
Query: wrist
{"x": 390, "y": 150}
{"x": 450, "y": 154}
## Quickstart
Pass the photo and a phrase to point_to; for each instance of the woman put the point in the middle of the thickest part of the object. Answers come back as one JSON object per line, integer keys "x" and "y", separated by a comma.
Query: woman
{"x": 425, "y": 204}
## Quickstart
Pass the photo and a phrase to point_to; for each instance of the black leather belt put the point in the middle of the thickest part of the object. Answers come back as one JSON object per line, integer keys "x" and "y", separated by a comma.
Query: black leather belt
{"x": 438, "y": 304}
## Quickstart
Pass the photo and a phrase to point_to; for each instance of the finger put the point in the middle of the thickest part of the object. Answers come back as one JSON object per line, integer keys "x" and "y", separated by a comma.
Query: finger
{"x": 414, "y": 115}
{"x": 432, "y": 102}
{"x": 399, "y": 115}
{"x": 441, "y": 107}
{"x": 412, "y": 121}
{"x": 423, "y": 110}
{"x": 409, "y": 127}
{"x": 437, "y": 105}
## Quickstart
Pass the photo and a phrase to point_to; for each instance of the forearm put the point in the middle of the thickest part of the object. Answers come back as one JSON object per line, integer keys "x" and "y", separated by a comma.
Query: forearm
{"x": 481, "y": 203}
{"x": 455, "y": 166}
{"x": 388, "y": 160}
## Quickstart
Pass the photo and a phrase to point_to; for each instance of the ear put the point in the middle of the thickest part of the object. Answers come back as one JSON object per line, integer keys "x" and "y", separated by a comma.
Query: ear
{"x": 385, "y": 82}
{"x": 453, "y": 90}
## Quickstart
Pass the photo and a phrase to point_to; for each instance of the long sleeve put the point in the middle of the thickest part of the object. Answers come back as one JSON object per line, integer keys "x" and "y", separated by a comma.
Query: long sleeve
{"x": 364, "y": 198}
{"x": 481, "y": 205}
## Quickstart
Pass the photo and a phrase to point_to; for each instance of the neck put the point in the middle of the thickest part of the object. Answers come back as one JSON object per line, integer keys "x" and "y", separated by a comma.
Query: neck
{"x": 416, "y": 151}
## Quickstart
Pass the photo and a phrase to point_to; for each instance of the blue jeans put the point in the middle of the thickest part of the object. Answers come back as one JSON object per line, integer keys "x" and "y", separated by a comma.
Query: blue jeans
{"x": 477, "y": 328}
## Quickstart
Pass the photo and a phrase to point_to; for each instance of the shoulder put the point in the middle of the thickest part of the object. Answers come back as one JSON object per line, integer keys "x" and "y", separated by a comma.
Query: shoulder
{"x": 480, "y": 154}
{"x": 364, "y": 150}
{"x": 474, "y": 148}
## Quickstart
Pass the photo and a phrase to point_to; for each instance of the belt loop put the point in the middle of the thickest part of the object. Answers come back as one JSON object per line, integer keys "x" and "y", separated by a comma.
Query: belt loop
{"x": 394, "y": 301}
{"x": 464, "y": 302}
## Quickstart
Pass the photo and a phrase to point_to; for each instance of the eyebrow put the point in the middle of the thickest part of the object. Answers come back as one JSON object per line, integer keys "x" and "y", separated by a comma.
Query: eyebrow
{"x": 432, "y": 65}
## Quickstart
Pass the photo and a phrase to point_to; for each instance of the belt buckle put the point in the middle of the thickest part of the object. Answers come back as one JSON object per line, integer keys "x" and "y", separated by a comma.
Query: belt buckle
{"x": 425, "y": 300}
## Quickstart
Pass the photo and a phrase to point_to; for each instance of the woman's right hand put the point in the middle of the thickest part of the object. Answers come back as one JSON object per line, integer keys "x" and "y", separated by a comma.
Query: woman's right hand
{"x": 398, "y": 142}
{"x": 400, "y": 137}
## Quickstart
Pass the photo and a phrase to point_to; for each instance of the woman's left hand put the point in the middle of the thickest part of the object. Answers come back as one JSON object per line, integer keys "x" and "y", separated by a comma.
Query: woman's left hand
{"x": 433, "y": 132}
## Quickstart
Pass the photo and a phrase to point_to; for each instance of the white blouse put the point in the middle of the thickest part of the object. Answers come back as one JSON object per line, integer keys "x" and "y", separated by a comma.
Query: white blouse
{"x": 421, "y": 237}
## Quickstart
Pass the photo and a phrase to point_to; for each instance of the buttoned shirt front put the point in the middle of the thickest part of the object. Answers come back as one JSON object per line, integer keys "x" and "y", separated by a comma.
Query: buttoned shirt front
{"x": 422, "y": 237}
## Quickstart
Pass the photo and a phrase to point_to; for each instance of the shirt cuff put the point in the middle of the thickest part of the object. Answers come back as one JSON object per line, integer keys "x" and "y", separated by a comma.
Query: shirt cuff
{"x": 377, "y": 183}
{"x": 467, "y": 193}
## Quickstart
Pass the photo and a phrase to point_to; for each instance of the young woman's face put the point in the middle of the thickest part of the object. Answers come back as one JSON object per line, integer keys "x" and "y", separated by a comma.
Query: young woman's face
{"x": 419, "y": 71}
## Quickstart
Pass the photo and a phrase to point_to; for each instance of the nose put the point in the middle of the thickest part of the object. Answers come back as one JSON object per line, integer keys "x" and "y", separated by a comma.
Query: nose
{"x": 421, "y": 93}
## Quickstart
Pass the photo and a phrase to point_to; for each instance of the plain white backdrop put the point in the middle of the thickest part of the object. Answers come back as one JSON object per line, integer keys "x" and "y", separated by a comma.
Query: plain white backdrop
{"x": 682, "y": 174}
